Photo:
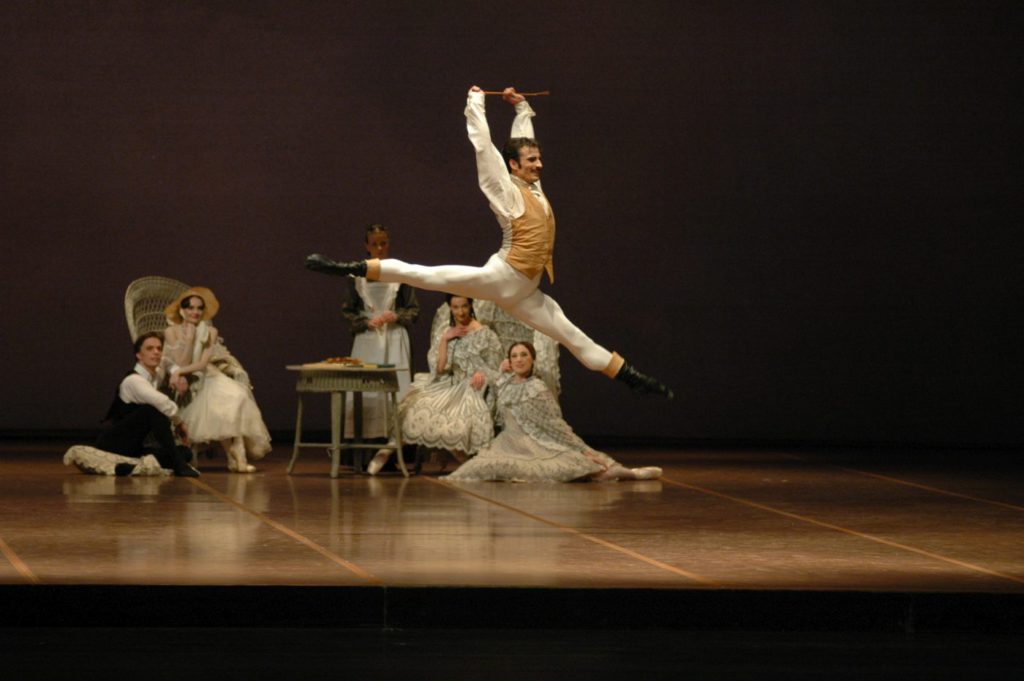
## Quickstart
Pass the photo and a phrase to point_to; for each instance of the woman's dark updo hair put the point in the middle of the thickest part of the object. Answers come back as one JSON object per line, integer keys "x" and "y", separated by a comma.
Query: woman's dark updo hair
{"x": 529, "y": 348}
{"x": 184, "y": 301}
{"x": 375, "y": 228}
{"x": 448, "y": 299}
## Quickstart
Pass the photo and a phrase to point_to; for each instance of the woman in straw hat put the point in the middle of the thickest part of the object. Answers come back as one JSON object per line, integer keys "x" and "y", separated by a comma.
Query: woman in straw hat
{"x": 221, "y": 407}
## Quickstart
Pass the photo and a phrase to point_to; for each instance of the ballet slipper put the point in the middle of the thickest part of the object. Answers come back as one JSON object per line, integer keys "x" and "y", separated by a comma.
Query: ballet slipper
{"x": 236, "y": 458}
{"x": 646, "y": 473}
{"x": 378, "y": 461}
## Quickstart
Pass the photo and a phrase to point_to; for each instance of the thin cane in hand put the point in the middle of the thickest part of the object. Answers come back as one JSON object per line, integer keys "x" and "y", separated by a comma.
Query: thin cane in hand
{"x": 524, "y": 94}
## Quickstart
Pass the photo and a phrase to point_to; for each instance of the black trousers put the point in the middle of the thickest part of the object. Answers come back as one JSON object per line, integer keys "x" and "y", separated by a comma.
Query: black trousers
{"x": 128, "y": 436}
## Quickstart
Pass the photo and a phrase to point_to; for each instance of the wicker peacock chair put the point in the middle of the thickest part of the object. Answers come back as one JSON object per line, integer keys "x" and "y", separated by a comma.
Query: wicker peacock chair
{"x": 144, "y": 303}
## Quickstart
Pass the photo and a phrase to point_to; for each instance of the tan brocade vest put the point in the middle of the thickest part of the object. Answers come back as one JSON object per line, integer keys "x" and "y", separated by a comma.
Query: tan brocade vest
{"x": 533, "y": 239}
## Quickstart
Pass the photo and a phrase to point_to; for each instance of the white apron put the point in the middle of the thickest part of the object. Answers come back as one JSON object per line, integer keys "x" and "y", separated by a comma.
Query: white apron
{"x": 387, "y": 344}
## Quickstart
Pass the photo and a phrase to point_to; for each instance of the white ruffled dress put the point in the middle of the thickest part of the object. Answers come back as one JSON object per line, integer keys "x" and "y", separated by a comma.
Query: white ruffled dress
{"x": 222, "y": 407}
{"x": 445, "y": 411}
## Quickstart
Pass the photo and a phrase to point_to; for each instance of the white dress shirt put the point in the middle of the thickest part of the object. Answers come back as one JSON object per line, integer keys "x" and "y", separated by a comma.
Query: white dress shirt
{"x": 496, "y": 183}
{"x": 141, "y": 388}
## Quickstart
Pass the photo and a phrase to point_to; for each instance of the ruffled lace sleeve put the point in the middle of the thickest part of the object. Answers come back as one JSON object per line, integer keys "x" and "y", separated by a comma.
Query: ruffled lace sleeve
{"x": 538, "y": 414}
{"x": 503, "y": 379}
{"x": 490, "y": 354}
{"x": 228, "y": 364}
{"x": 477, "y": 351}
{"x": 436, "y": 331}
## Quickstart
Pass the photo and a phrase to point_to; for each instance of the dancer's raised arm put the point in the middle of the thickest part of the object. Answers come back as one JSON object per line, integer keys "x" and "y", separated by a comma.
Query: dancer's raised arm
{"x": 505, "y": 200}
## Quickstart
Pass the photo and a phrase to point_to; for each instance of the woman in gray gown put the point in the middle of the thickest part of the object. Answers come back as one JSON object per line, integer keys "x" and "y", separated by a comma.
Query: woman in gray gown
{"x": 451, "y": 408}
{"x": 537, "y": 445}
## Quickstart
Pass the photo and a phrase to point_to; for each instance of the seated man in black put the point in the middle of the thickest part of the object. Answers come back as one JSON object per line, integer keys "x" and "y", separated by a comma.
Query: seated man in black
{"x": 139, "y": 409}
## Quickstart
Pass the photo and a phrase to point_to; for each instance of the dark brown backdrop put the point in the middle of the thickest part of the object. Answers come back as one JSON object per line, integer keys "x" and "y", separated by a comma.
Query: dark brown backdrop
{"x": 805, "y": 216}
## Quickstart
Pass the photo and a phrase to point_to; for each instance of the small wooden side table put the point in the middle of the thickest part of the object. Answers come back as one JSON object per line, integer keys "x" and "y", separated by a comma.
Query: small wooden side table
{"x": 339, "y": 380}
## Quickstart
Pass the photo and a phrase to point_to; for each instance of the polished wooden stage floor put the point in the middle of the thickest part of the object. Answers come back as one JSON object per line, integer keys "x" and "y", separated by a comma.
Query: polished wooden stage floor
{"x": 795, "y": 520}
{"x": 741, "y": 564}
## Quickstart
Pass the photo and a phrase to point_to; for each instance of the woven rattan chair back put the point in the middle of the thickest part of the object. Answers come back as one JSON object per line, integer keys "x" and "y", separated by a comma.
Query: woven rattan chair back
{"x": 144, "y": 303}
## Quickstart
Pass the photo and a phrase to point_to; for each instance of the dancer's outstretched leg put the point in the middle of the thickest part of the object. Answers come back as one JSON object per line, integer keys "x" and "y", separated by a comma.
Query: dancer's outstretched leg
{"x": 541, "y": 312}
{"x": 496, "y": 280}
{"x": 513, "y": 292}
{"x": 323, "y": 264}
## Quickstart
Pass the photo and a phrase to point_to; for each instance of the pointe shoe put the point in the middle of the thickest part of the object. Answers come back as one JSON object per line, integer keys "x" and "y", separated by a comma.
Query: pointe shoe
{"x": 640, "y": 382}
{"x": 319, "y": 263}
{"x": 236, "y": 458}
{"x": 647, "y": 473}
{"x": 236, "y": 467}
{"x": 378, "y": 461}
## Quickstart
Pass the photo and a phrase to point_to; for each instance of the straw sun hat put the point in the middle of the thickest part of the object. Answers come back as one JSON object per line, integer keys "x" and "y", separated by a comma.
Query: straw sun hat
{"x": 173, "y": 311}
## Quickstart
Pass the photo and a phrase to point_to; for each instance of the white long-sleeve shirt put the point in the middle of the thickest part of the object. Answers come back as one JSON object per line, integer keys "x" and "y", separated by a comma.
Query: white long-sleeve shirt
{"x": 504, "y": 198}
{"x": 141, "y": 388}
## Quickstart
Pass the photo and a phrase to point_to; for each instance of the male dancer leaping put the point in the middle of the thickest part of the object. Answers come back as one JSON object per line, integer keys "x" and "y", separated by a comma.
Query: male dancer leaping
{"x": 511, "y": 276}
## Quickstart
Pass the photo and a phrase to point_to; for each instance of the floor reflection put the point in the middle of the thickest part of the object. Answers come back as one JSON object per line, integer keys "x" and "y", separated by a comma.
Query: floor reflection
{"x": 768, "y": 525}
{"x": 426, "y": 531}
{"x": 83, "y": 489}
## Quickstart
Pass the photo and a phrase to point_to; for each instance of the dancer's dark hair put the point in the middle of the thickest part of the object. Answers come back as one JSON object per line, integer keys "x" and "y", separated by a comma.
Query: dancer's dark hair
{"x": 448, "y": 299}
{"x": 529, "y": 348}
{"x": 526, "y": 344}
{"x": 146, "y": 336}
{"x": 375, "y": 228}
{"x": 511, "y": 149}
{"x": 184, "y": 302}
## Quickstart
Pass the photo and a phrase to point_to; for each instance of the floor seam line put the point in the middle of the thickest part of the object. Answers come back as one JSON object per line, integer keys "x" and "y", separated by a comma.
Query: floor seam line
{"x": 17, "y": 563}
{"x": 909, "y": 483}
{"x": 845, "y": 530}
{"x": 292, "y": 534}
{"x": 592, "y": 538}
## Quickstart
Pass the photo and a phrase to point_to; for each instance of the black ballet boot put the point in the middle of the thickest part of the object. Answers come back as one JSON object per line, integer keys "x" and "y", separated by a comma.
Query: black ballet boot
{"x": 319, "y": 263}
{"x": 642, "y": 383}
{"x": 183, "y": 467}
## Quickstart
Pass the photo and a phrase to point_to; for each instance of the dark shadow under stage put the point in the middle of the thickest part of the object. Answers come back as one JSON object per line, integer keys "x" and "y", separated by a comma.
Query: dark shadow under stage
{"x": 888, "y": 550}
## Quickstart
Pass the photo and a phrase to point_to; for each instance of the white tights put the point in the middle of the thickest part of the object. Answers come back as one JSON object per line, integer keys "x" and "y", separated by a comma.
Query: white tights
{"x": 510, "y": 290}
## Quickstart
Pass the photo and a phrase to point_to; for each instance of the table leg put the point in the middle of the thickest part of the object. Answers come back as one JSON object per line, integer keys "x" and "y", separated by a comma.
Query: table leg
{"x": 298, "y": 437}
{"x": 391, "y": 419}
{"x": 337, "y": 410}
{"x": 357, "y": 432}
